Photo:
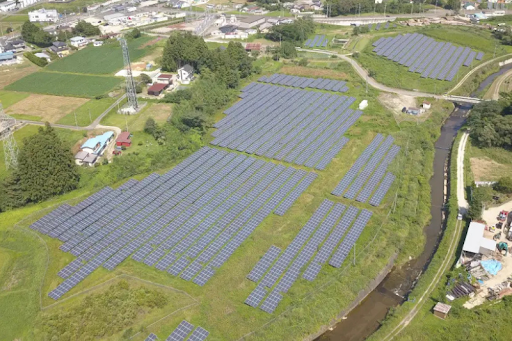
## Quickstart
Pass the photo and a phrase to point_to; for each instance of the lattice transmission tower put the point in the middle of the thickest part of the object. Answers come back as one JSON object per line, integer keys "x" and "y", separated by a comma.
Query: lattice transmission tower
{"x": 7, "y": 124}
{"x": 133, "y": 105}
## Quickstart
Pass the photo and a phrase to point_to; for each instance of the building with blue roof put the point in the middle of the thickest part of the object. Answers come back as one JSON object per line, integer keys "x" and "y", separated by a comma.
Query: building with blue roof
{"x": 97, "y": 145}
{"x": 8, "y": 58}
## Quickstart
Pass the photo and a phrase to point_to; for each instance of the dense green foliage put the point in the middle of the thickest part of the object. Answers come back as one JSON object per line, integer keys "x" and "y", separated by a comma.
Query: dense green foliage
{"x": 297, "y": 32}
{"x": 42, "y": 62}
{"x": 133, "y": 34}
{"x": 34, "y": 34}
{"x": 504, "y": 185}
{"x": 86, "y": 29}
{"x": 45, "y": 168}
{"x": 101, "y": 315}
{"x": 347, "y": 7}
{"x": 478, "y": 197}
{"x": 178, "y": 96}
{"x": 491, "y": 123}
{"x": 182, "y": 49}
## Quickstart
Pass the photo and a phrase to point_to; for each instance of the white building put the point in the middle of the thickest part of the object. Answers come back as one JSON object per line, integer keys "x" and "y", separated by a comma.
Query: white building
{"x": 43, "y": 15}
{"x": 186, "y": 74}
{"x": 10, "y": 5}
{"x": 78, "y": 41}
{"x": 44, "y": 56}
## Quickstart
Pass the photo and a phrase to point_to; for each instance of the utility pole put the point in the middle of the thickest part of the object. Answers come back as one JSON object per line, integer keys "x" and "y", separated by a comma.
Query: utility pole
{"x": 385, "y": 8}
{"x": 495, "y": 46}
{"x": 366, "y": 84}
{"x": 76, "y": 122}
{"x": 354, "y": 254}
{"x": 90, "y": 118}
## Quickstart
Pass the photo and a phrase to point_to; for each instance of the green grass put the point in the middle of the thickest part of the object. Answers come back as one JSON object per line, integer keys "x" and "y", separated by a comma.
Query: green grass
{"x": 87, "y": 113}
{"x": 62, "y": 84}
{"x": 106, "y": 59}
{"x": 26, "y": 117}
{"x": 15, "y": 18}
{"x": 8, "y": 98}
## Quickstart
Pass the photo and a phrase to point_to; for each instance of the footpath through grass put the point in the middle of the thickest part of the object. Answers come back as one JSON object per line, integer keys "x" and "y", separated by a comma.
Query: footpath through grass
{"x": 87, "y": 113}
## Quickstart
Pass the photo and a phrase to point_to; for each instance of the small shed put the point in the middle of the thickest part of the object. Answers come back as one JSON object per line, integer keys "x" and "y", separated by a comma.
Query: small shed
{"x": 441, "y": 310}
{"x": 426, "y": 105}
{"x": 124, "y": 139}
{"x": 164, "y": 78}
{"x": 157, "y": 88}
{"x": 249, "y": 47}
{"x": 363, "y": 105}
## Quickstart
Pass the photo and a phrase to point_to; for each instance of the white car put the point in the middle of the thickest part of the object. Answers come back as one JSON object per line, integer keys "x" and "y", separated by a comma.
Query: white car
{"x": 459, "y": 216}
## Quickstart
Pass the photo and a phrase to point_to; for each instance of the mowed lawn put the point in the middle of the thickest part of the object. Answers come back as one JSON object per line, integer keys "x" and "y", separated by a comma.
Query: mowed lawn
{"x": 61, "y": 84}
{"x": 87, "y": 113}
{"x": 106, "y": 59}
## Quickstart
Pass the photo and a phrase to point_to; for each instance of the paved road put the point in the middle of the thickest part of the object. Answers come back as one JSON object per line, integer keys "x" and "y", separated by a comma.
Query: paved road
{"x": 461, "y": 200}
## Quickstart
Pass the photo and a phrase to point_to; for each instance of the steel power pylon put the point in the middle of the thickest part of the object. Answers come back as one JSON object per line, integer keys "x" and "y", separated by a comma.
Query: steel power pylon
{"x": 130, "y": 83}
{"x": 7, "y": 124}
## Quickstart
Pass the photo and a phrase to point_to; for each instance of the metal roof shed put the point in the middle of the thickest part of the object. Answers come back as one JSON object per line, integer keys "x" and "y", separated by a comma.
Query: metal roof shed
{"x": 487, "y": 246}
{"x": 474, "y": 237}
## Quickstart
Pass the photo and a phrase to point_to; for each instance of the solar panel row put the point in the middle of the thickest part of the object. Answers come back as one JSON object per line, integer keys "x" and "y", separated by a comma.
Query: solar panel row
{"x": 297, "y": 126}
{"x": 187, "y": 221}
{"x": 151, "y": 337}
{"x": 318, "y": 238}
{"x": 317, "y": 41}
{"x": 435, "y": 60}
{"x": 368, "y": 170}
{"x": 183, "y": 331}
{"x": 304, "y": 82}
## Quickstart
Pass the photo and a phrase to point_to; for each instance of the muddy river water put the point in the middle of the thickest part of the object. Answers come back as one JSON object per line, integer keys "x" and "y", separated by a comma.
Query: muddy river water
{"x": 363, "y": 320}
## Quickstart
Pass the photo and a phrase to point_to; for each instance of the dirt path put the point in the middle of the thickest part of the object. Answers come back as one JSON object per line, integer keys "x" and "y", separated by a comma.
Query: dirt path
{"x": 461, "y": 200}
{"x": 494, "y": 90}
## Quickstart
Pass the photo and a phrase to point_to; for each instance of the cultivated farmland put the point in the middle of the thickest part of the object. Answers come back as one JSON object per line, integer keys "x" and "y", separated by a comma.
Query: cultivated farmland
{"x": 106, "y": 59}
{"x": 60, "y": 84}
{"x": 45, "y": 107}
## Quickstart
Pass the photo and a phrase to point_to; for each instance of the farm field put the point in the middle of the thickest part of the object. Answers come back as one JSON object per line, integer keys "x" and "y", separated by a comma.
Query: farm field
{"x": 11, "y": 73}
{"x": 63, "y": 84}
{"x": 106, "y": 59}
{"x": 94, "y": 107}
{"x": 218, "y": 306}
{"x": 47, "y": 108}
{"x": 8, "y": 98}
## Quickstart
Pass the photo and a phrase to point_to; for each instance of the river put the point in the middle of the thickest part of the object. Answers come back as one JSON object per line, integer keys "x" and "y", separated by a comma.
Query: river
{"x": 365, "y": 319}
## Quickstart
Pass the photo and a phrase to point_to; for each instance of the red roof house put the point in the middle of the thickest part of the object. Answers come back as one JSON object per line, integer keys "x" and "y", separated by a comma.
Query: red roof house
{"x": 124, "y": 139}
{"x": 157, "y": 88}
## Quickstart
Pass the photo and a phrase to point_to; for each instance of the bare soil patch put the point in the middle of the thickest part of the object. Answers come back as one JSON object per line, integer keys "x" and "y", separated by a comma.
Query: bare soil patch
{"x": 485, "y": 169}
{"x": 160, "y": 112}
{"x": 311, "y": 72}
{"x": 49, "y": 108}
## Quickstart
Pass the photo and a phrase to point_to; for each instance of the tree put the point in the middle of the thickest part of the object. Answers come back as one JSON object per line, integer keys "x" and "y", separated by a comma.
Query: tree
{"x": 145, "y": 78}
{"x": 297, "y": 32}
{"x": 134, "y": 34}
{"x": 184, "y": 48}
{"x": 45, "y": 168}
{"x": 62, "y": 36}
{"x": 43, "y": 38}
{"x": 288, "y": 50}
{"x": 303, "y": 62}
{"x": 28, "y": 31}
{"x": 504, "y": 185}
{"x": 83, "y": 28}
{"x": 150, "y": 127}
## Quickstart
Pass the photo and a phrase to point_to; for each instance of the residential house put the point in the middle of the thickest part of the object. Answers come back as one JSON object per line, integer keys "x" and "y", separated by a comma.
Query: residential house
{"x": 186, "y": 74}
{"x": 43, "y": 15}
{"x": 8, "y": 58}
{"x": 7, "y": 6}
{"x": 426, "y": 105}
{"x": 78, "y": 41}
{"x": 97, "y": 145}
{"x": 44, "y": 56}
{"x": 15, "y": 46}
{"x": 164, "y": 78}
{"x": 83, "y": 158}
{"x": 59, "y": 48}
{"x": 265, "y": 27}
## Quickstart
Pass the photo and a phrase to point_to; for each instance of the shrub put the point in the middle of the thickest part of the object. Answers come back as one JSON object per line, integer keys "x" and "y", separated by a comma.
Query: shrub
{"x": 36, "y": 60}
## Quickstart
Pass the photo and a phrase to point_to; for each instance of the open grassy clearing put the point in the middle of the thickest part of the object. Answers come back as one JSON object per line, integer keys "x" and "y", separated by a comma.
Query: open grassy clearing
{"x": 136, "y": 122}
{"x": 489, "y": 164}
{"x": 14, "y": 18}
{"x": 11, "y": 73}
{"x": 64, "y": 84}
{"x": 106, "y": 59}
{"x": 87, "y": 112}
{"x": 47, "y": 108}
{"x": 8, "y": 98}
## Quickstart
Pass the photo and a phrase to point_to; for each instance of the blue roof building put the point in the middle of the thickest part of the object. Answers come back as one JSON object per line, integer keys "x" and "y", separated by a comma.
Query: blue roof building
{"x": 97, "y": 145}
{"x": 7, "y": 57}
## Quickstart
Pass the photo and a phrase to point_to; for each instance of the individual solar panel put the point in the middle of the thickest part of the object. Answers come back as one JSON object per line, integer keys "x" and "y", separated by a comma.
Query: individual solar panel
{"x": 256, "y": 296}
{"x": 479, "y": 56}
{"x": 181, "y": 332}
{"x": 151, "y": 337}
{"x": 470, "y": 58}
{"x": 199, "y": 334}
{"x": 264, "y": 263}
{"x": 271, "y": 302}
{"x": 384, "y": 187}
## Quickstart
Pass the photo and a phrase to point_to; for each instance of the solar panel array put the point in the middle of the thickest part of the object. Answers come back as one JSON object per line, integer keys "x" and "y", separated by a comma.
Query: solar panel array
{"x": 187, "y": 222}
{"x": 183, "y": 331}
{"x": 297, "y": 126}
{"x": 368, "y": 171}
{"x": 317, "y": 41}
{"x": 424, "y": 55}
{"x": 312, "y": 247}
{"x": 151, "y": 337}
{"x": 305, "y": 82}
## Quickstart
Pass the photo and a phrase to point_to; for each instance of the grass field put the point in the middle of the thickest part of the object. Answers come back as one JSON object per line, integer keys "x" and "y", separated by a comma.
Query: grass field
{"x": 106, "y": 59}
{"x": 15, "y": 18}
{"x": 8, "y": 98}
{"x": 63, "y": 84}
{"x": 307, "y": 306}
{"x": 12, "y": 73}
{"x": 160, "y": 112}
{"x": 87, "y": 113}
{"x": 46, "y": 107}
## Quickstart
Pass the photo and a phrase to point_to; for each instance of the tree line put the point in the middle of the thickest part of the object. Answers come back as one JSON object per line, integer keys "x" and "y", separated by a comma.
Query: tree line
{"x": 491, "y": 123}
{"x": 33, "y": 34}
{"x": 347, "y": 7}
